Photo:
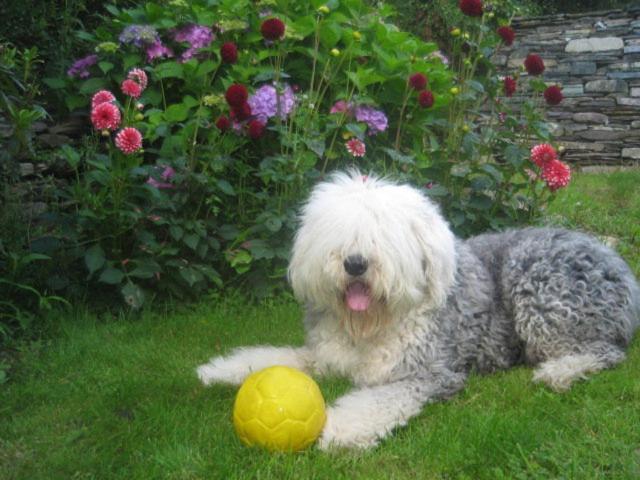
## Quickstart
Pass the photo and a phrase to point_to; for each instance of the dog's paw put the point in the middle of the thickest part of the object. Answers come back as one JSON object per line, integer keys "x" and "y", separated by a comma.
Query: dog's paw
{"x": 220, "y": 370}
{"x": 341, "y": 432}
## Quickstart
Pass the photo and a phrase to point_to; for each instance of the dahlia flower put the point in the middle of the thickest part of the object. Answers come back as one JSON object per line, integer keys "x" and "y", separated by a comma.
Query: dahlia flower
{"x": 425, "y": 98}
{"x": 236, "y": 95}
{"x": 129, "y": 140}
{"x": 356, "y": 147}
{"x": 255, "y": 128}
{"x": 241, "y": 113}
{"x": 509, "y": 86}
{"x": 223, "y": 123}
{"x": 139, "y": 76}
{"x": 543, "y": 154}
{"x": 102, "y": 96}
{"x": 556, "y": 174}
{"x": 553, "y": 95}
{"x": 272, "y": 29}
{"x": 472, "y": 8}
{"x": 534, "y": 64}
{"x": 105, "y": 116}
{"x": 507, "y": 34}
{"x": 418, "y": 81}
{"x": 229, "y": 52}
{"x": 131, "y": 88}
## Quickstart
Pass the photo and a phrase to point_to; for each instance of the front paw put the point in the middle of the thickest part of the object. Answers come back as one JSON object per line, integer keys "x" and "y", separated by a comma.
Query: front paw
{"x": 220, "y": 370}
{"x": 340, "y": 431}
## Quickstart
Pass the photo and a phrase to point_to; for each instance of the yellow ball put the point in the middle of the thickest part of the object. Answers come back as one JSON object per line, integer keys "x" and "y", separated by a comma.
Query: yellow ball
{"x": 279, "y": 408}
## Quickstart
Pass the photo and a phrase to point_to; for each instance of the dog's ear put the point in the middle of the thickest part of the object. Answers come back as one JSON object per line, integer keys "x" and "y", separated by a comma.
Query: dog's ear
{"x": 437, "y": 245}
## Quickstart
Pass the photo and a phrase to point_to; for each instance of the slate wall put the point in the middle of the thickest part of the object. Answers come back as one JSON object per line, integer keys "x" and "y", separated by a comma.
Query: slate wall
{"x": 595, "y": 58}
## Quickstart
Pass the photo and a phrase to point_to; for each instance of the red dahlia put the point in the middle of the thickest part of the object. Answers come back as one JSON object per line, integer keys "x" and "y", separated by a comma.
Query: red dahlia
{"x": 131, "y": 88}
{"x": 223, "y": 123}
{"x": 236, "y": 95}
{"x": 557, "y": 174}
{"x": 229, "y": 52}
{"x": 272, "y": 29}
{"x": 543, "y": 154}
{"x": 553, "y": 95}
{"x": 241, "y": 113}
{"x": 106, "y": 116}
{"x": 534, "y": 64}
{"x": 509, "y": 86}
{"x": 507, "y": 34}
{"x": 418, "y": 81}
{"x": 103, "y": 96}
{"x": 129, "y": 140}
{"x": 425, "y": 98}
{"x": 255, "y": 129}
{"x": 472, "y": 8}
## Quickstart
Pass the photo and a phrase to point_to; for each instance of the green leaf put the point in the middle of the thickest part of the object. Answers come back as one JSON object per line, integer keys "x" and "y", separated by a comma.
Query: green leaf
{"x": 111, "y": 275}
{"x": 176, "y": 113}
{"x": 176, "y": 232}
{"x": 170, "y": 69}
{"x": 398, "y": 157}
{"x": 316, "y": 145}
{"x": 330, "y": 34}
{"x": 92, "y": 85}
{"x": 146, "y": 268}
{"x": 191, "y": 276}
{"x": 55, "y": 83}
{"x": 94, "y": 258}
{"x": 226, "y": 187}
{"x": 273, "y": 223}
{"x": 133, "y": 295}
{"x": 106, "y": 67}
{"x": 191, "y": 241}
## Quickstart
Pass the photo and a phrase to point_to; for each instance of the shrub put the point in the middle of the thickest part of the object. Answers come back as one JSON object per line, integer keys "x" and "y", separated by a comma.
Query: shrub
{"x": 246, "y": 106}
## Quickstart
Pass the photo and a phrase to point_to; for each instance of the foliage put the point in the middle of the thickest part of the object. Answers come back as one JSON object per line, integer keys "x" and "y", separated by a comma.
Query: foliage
{"x": 341, "y": 87}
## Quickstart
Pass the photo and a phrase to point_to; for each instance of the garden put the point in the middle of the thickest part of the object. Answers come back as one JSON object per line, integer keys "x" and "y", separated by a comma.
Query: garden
{"x": 155, "y": 158}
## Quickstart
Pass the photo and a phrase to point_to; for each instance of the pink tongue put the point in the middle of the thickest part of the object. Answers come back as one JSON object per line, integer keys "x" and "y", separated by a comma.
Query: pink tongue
{"x": 358, "y": 298}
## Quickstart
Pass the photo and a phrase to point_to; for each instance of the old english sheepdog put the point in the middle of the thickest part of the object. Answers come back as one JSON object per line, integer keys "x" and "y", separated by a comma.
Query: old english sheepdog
{"x": 406, "y": 310}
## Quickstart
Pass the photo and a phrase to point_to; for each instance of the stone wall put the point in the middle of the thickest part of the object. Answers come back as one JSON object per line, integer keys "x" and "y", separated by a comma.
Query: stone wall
{"x": 595, "y": 58}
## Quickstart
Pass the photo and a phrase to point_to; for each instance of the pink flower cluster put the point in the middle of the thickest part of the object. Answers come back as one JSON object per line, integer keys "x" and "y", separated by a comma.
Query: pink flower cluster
{"x": 554, "y": 172}
{"x": 106, "y": 116}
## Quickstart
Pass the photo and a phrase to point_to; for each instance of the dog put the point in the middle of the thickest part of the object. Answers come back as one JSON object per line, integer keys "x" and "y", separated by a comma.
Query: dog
{"x": 398, "y": 304}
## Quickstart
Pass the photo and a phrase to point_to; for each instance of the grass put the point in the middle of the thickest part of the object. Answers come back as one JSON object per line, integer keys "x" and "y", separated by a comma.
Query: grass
{"x": 117, "y": 398}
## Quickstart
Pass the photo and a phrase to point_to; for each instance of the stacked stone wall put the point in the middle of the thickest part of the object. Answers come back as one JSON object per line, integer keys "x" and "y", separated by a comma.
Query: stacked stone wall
{"x": 595, "y": 58}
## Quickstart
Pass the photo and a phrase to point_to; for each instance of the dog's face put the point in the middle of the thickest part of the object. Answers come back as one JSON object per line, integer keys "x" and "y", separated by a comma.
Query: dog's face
{"x": 370, "y": 251}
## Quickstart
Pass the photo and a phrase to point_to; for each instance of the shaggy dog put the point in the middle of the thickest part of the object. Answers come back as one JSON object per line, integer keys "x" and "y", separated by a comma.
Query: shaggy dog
{"x": 405, "y": 310}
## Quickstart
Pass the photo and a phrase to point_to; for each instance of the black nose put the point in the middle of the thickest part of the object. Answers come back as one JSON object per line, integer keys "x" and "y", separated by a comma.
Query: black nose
{"x": 355, "y": 265}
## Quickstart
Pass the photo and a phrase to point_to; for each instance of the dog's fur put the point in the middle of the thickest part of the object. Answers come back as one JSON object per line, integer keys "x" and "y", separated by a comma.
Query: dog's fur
{"x": 430, "y": 307}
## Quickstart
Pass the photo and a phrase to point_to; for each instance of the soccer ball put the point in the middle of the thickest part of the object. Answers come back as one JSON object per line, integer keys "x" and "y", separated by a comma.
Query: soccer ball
{"x": 279, "y": 408}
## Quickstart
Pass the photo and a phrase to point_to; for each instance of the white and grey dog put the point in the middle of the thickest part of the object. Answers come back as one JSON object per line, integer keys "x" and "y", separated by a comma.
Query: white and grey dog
{"x": 405, "y": 310}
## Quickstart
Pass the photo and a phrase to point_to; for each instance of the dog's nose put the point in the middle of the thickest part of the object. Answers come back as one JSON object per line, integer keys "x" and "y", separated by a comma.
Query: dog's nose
{"x": 355, "y": 265}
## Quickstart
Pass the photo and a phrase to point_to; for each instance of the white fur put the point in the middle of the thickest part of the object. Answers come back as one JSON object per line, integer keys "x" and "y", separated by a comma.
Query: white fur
{"x": 560, "y": 373}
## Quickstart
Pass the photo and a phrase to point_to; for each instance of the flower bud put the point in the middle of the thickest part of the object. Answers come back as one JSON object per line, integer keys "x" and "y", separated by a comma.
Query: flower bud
{"x": 335, "y": 52}
{"x": 357, "y": 36}
{"x": 561, "y": 148}
{"x": 466, "y": 35}
{"x": 491, "y": 15}
{"x": 139, "y": 117}
{"x": 139, "y": 106}
{"x": 465, "y": 128}
{"x": 455, "y": 32}
{"x": 105, "y": 133}
{"x": 454, "y": 90}
{"x": 323, "y": 9}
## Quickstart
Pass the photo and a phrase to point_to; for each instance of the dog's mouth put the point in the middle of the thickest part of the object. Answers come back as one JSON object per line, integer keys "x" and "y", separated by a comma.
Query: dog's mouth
{"x": 357, "y": 297}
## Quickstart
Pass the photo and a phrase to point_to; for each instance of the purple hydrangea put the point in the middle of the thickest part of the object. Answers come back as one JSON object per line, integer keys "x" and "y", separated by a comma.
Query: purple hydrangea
{"x": 167, "y": 174}
{"x": 139, "y": 35}
{"x": 80, "y": 67}
{"x": 197, "y": 36}
{"x": 158, "y": 50}
{"x": 376, "y": 120}
{"x": 264, "y": 103}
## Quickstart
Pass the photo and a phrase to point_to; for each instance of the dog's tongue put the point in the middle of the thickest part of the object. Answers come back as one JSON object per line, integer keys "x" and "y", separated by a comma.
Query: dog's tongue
{"x": 357, "y": 297}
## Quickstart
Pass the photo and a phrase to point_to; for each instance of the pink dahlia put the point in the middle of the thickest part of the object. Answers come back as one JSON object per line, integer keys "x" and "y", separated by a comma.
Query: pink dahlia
{"x": 534, "y": 64}
{"x": 418, "y": 81}
{"x": 543, "y": 154}
{"x": 105, "y": 116}
{"x": 229, "y": 52}
{"x": 103, "y": 96}
{"x": 556, "y": 174}
{"x": 139, "y": 76}
{"x": 472, "y": 8}
{"x": 129, "y": 140}
{"x": 507, "y": 34}
{"x": 356, "y": 147}
{"x": 553, "y": 95}
{"x": 509, "y": 86}
{"x": 131, "y": 88}
{"x": 272, "y": 29}
{"x": 425, "y": 98}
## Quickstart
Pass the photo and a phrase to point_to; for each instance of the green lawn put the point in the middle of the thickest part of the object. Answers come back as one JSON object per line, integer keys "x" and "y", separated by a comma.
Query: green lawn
{"x": 118, "y": 398}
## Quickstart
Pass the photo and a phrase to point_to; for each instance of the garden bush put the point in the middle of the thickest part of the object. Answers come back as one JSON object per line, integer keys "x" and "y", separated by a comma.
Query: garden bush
{"x": 209, "y": 120}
